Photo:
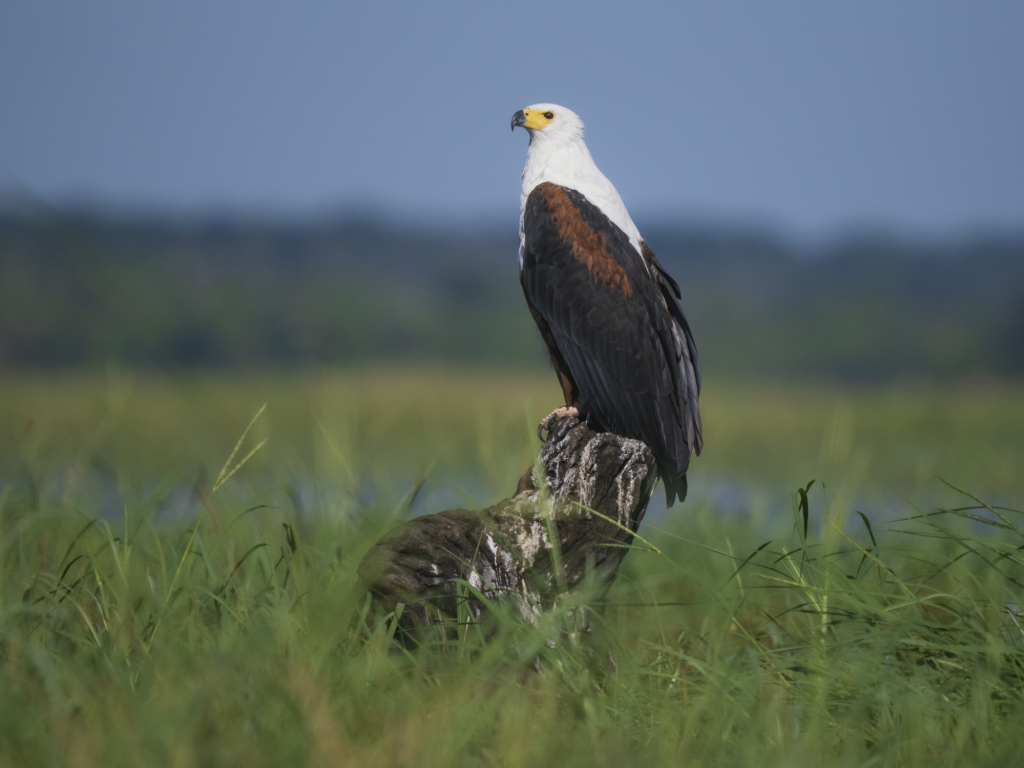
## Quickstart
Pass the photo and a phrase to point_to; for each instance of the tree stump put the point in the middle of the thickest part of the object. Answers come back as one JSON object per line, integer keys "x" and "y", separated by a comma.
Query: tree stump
{"x": 505, "y": 551}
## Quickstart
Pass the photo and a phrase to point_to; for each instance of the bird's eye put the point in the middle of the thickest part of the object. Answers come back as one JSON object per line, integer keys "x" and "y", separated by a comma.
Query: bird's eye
{"x": 549, "y": 115}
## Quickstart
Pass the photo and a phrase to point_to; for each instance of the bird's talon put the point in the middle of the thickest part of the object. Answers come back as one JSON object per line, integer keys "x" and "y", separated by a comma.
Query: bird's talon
{"x": 558, "y": 413}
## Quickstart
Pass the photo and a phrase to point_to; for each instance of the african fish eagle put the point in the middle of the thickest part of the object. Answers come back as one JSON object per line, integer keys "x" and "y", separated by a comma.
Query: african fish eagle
{"x": 606, "y": 308}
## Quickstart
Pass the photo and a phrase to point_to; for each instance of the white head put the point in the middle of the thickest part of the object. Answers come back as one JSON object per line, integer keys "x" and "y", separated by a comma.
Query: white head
{"x": 558, "y": 154}
{"x": 549, "y": 123}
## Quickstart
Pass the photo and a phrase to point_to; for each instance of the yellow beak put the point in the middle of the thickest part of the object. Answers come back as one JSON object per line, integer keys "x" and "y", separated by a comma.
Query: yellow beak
{"x": 529, "y": 118}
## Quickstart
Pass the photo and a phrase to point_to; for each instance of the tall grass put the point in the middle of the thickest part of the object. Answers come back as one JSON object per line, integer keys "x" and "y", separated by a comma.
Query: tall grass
{"x": 238, "y": 635}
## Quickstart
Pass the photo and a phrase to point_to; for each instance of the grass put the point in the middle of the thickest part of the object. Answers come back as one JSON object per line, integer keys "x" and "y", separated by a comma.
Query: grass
{"x": 158, "y": 610}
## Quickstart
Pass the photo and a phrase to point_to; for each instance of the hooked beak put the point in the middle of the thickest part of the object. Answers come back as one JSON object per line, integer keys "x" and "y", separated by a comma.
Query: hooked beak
{"x": 519, "y": 118}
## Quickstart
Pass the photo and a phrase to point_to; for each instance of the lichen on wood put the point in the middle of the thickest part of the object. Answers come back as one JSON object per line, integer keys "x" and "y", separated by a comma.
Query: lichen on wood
{"x": 505, "y": 551}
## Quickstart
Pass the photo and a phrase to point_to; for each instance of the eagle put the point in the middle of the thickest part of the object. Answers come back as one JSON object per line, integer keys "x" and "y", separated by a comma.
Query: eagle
{"x": 606, "y": 308}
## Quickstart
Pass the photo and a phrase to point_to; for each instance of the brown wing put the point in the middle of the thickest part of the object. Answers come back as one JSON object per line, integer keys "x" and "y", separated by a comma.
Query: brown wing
{"x": 617, "y": 326}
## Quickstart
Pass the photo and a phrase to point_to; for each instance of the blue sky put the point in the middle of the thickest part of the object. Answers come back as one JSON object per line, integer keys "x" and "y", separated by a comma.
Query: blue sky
{"x": 813, "y": 117}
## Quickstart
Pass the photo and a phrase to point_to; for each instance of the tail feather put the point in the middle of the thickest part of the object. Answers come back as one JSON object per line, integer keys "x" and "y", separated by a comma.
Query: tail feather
{"x": 675, "y": 487}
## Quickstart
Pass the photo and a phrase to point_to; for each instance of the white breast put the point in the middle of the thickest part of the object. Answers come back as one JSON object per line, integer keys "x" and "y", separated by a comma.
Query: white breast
{"x": 569, "y": 164}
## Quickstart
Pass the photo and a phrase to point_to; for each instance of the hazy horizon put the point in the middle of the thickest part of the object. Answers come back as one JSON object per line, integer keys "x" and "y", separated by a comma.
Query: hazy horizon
{"x": 800, "y": 118}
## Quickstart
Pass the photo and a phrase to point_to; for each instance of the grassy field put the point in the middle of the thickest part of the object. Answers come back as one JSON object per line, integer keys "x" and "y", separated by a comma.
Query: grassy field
{"x": 156, "y": 613}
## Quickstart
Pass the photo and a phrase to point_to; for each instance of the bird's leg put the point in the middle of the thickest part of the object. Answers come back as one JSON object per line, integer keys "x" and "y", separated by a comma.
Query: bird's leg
{"x": 555, "y": 415}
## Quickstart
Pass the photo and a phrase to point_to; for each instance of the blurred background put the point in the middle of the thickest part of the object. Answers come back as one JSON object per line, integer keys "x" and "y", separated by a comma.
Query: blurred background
{"x": 208, "y": 206}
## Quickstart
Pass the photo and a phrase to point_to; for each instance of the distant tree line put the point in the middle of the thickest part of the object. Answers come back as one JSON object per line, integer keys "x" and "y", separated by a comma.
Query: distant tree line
{"x": 80, "y": 290}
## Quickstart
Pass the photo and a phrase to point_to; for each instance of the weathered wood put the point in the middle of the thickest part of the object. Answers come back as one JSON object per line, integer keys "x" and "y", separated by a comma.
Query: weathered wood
{"x": 505, "y": 551}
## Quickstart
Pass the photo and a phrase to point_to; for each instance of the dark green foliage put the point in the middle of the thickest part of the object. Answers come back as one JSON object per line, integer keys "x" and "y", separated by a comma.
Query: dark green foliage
{"x": 87, "y": 289}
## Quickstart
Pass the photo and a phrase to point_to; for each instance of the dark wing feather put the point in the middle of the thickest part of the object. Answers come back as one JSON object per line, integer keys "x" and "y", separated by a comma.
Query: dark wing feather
{"x": 686, "y": 347}
{"x": 616, "y": 322}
